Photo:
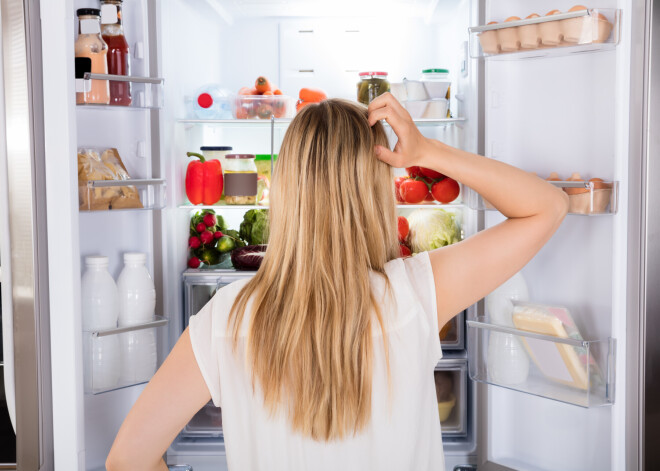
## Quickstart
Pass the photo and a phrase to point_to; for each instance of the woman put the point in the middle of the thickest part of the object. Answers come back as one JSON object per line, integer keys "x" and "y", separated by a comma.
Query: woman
{"x": 325, "y": 358}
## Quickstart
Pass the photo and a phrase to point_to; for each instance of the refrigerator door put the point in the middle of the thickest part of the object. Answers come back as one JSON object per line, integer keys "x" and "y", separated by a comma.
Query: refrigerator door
{"x": 23, "y": 158}
{"x": 566, "y": 113}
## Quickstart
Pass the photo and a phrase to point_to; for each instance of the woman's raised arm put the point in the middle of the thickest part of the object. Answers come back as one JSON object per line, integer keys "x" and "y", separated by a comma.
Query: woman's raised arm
{"x": 467, "y": 271}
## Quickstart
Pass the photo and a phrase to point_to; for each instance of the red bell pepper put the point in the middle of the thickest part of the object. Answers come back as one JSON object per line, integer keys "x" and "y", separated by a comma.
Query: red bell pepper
{"x": 203, "y": 180}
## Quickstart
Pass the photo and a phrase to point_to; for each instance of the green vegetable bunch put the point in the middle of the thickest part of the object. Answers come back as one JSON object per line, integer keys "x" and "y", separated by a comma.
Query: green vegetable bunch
{"x": 254, "y": 228}
{"x": 210, "y": 241}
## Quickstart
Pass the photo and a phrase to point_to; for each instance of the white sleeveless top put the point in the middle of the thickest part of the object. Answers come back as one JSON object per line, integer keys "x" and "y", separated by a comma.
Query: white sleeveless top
{"x": 404, "y": 434}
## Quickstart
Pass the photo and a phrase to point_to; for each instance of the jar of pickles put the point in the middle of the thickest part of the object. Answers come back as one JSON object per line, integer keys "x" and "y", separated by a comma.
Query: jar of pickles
{"x": 240, "y": 174}
{"x": 371, "y": 85}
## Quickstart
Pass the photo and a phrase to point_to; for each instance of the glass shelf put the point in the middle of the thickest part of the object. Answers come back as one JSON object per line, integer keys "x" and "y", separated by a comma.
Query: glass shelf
{"x": 122, "y": 195}
{"x": 579, "y": 31}
{"x": 585, "y": 198}
{"x": 284, "y": 122}
{"x": 121, "y": 357}
{"x": 245, "y": 207}
{"x": 565, "y": 369}
{"x": 146, "y": 92}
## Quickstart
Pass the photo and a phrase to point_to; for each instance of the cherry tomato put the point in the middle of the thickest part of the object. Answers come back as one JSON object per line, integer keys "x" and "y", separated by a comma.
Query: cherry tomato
{"x": 429, "y": 197}
{"x": 404, "y": 228}
{"x": 397, "y": 186}
{"x": 404, "y": 251}
{"x": 414, "y": 171}
{"x": 446, "y": 190}
{"x": 427, "y": 172}
{"x": 413, "y": 191}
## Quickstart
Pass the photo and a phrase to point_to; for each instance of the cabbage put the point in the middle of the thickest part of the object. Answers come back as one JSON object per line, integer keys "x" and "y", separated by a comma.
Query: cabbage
{"x": 431, "y": 229}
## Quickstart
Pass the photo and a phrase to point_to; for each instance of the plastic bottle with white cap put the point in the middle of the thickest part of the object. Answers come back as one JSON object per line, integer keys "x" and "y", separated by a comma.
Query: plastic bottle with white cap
{"x": 137, "y": 294}
{"x": 100, "y": 310}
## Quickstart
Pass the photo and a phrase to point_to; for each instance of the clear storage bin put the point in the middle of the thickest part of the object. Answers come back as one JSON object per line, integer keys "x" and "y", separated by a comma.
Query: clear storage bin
{"x": 263, "y": 107}
{"x": 452, "y": 335}
{"x": 585, "y": 198}
{"x": 451, "y": 393}
{"x": 554, "y": 33}
{"x": 563, "y": 368}
{"x": 121, "y": 356}
{"x": 115, "y": 195}
{"x": 146, "y": 92}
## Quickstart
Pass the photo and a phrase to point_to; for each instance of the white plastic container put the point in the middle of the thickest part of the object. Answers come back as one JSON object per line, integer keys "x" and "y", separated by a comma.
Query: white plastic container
{"x": 138, "y": 356}
{"x": 99, "y": 299}
{"x": 415, "y": 90}
{"x": 137, "y": 294}
{"x": 436, "y": 109}
{"x": 436, "y": 82}
{"x": 102, "y": 362}
{"x": 416, "y": 108}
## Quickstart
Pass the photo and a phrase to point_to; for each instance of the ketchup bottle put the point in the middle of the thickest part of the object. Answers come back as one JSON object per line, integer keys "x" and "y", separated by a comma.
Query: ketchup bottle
{"x": 118, "y": 53}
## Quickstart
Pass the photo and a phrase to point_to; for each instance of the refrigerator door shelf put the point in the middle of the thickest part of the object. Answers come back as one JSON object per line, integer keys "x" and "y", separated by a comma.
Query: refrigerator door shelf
{"x": 122, "y": 195}
{"x": 584, "y": 198}
{"x": 569, "y": 370}
{"x": 121, "y": 357}
{"x": 146, "y": 92}
{"x": 587, "y": 30}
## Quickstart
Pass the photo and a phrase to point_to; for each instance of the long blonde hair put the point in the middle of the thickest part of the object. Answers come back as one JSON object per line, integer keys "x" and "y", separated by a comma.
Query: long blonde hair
{"x": 332, "y": 223}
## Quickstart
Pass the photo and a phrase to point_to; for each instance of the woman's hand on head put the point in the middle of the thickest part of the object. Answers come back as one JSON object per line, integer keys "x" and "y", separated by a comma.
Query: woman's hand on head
{"x": 411, "y": 145}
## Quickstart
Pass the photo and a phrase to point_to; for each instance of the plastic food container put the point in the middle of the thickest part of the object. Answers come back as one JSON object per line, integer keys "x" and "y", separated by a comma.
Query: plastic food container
{"x": 436, "y": 109}
{"x": 398, "y": 89}
{"x": 240, "y": 175}
{"x": 371, "y": 85}
{"x": 436, "y": 83}
{"x": 262, "y": 162}
{"x": 416, "y": 108}
{"x": 415, "y": 90}
{"x": 263, "y": 107}
{"x": 445, "y": 408}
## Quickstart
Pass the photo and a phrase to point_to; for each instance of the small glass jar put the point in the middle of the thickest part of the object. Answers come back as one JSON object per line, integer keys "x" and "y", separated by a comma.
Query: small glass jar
{"x": 371, "y": 85}
{"x": 240, "y": 173}
{"x": 216, "y": 153}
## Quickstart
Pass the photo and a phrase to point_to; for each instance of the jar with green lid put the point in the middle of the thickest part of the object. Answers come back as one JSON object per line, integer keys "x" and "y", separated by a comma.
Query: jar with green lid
{"x": 371, "y": 85}
{"x": 240, "y": 175}
{"x": 264, "y": 165}
{"x": 437, "y": 84}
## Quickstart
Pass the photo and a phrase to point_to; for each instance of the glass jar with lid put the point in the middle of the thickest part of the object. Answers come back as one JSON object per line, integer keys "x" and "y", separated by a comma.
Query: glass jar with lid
{"x": 371, "y": 85}
{"x": 240, "y": 173}
{"x": 90, "y": 56}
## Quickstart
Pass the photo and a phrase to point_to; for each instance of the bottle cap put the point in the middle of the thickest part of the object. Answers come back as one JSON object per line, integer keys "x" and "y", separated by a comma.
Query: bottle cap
{"x": 135, "y": 257}
{"x": 203, "y": 148}
{"x": 96, "y": 261}
{"x": 88, "y": 12}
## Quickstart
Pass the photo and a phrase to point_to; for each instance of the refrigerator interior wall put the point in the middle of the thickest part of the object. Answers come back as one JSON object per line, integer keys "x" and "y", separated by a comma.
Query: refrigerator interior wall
{"x": 560, "y": 115}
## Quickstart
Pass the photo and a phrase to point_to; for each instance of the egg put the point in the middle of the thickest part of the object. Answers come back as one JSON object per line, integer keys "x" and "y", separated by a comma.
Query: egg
{"x": 553, "y": 12}
{"x": 575, "y": 177}
{"x": 599, "y": 184}
{"x": 512, "y": 18}
{"x": 577, "y": 8}
{"x": 554, "y": 177}
{"x": 533, "y": 15}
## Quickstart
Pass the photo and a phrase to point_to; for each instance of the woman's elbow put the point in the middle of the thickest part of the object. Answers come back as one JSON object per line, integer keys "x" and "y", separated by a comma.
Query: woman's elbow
{"x": 560, "y": 205}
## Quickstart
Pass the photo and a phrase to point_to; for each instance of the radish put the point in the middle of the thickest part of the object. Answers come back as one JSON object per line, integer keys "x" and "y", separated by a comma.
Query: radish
{"x": 206, "y": 237}
{"x": 210, "y": 220}
{"x": 194, "y": 242}
{"x": 201, "y": 227}
{"x": 194, "y": 262}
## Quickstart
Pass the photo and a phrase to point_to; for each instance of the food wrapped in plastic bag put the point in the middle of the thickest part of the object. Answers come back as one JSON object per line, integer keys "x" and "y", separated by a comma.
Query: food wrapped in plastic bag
{"x": 96, "y": 165}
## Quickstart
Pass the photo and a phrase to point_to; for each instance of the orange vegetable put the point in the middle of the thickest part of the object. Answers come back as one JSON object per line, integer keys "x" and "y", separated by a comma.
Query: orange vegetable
{"x": 301, "y": 104}
{"x": 248, "y": 91}
{"x": 262, "y": 85}
{"x": 599, "y": 184}
{"x": 268, "y": 93}
{"x": 277, "y": 91}
{"x": 312, "y": 95}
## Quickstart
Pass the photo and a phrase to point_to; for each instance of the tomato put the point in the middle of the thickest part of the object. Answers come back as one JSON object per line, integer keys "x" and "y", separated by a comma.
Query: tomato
{"x": 446, "y": 190}
{"x": 404, "y": 251}
{"x": 432, "y": 174}
{"x": 429, "y": 197}
{"x": 413, "y": 191}
{"x": 404, "y": 228}
{"x": 397, "y": 187}
{"x": 414, "y": 171}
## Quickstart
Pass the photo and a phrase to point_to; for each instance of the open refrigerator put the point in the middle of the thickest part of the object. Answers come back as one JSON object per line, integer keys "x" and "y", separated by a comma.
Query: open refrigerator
{"x": 554, "y": 108}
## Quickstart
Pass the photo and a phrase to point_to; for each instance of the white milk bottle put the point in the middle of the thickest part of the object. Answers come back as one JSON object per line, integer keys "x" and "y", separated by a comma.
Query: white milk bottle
{"x": 139, "y": 358}
{"x": 137, "y": 294}
{"x": 100, "y": 310}
{"x": 507, "y": 360}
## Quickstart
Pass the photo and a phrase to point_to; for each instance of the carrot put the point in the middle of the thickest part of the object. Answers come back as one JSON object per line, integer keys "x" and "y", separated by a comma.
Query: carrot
{"x": 312, "y": 95}
{"x": 268, "y": 93}
{"x": 301, "y": 104}
{"x": 277, "y": 91}
{"x": 248, "y": 91}
{"x": 262, "y": 85}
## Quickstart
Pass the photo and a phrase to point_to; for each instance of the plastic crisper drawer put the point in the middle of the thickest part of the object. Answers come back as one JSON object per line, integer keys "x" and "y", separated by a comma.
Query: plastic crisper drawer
{"x": 451, "y": 391}
{"x": 452, "y": 334}
{"x": 206, "y": 423}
